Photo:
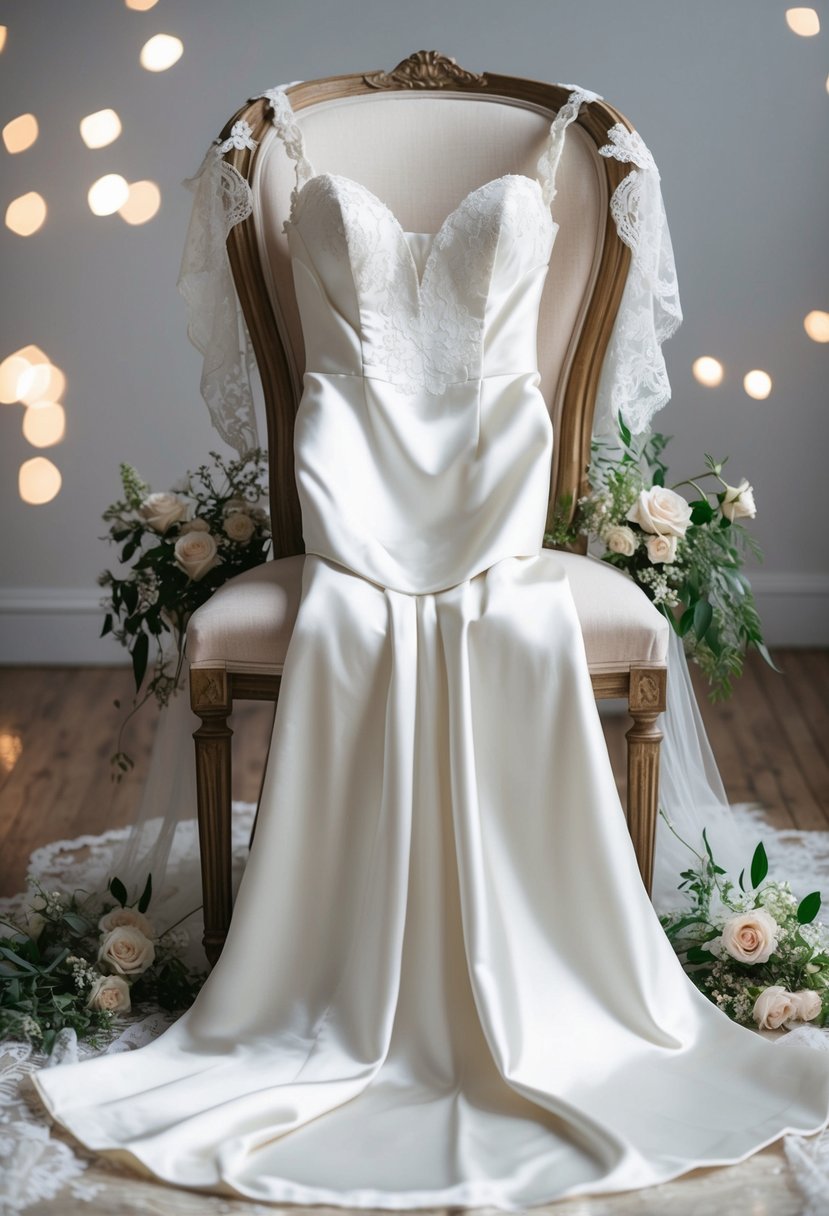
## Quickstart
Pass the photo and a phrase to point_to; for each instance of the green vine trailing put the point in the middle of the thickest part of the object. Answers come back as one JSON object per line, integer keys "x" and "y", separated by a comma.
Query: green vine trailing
{"x": 687, "y": 555}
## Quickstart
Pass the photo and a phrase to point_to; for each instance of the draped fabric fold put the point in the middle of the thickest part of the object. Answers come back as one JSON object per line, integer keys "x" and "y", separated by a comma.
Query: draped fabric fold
{"x": 438, "y": 943}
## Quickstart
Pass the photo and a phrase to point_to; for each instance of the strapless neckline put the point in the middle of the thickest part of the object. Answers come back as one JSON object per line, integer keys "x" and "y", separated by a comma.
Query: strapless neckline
{"x": 446, "y": 224}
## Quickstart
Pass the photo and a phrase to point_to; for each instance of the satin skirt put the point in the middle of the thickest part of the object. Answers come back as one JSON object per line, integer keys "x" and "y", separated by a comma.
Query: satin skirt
{"x": 444, "y": 983}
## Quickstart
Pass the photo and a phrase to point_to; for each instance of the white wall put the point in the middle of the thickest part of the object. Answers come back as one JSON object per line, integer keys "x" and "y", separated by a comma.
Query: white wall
{"x": 732, "y": 104}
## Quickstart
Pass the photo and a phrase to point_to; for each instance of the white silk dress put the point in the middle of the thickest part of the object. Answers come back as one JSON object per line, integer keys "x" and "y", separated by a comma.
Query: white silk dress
{"x": 444, "y": 983}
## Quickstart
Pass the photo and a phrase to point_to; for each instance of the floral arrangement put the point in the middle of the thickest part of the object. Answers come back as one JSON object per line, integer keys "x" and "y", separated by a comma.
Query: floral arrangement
{"x": 756, "y": 952}
{"x": 687, "y": 556}
{"x": 179, "y": 546}
{"x": 81, "y": 961}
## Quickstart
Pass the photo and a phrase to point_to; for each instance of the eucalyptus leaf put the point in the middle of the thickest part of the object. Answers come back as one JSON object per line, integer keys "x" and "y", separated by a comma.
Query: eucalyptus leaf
{"x": 146, "y": 894}
{"x": 703, "y": 616}
{"x": 118, "y": 891}
{"x": 808, "y": 908}
{"x": 759, "y": 865}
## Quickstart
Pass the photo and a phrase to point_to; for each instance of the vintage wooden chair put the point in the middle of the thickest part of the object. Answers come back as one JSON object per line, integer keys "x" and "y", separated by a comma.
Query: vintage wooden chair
{"x": 420, "y": 137}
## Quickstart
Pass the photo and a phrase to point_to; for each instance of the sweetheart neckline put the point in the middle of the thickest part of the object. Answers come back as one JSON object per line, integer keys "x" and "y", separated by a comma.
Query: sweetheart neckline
{"x": 421, "y": 280}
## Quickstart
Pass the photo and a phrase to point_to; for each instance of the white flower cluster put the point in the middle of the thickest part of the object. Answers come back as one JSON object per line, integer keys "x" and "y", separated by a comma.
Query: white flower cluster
{"x": 84, "y": 974}
{"x": 657, "y": 581}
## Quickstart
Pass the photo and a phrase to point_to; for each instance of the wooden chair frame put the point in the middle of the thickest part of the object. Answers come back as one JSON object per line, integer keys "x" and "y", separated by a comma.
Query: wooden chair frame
{"x": 214, "y": 690}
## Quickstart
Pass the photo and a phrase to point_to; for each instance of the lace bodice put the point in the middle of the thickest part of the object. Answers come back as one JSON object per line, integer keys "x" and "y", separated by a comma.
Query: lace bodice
{"x": 633, "y": 382}
{"x": 423, "y": 330}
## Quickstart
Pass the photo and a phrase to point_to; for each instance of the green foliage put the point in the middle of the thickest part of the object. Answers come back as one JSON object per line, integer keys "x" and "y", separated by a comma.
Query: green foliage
{"x": 703, "y": 591}
{"x": 798, "y": 962}
{"x": 50, "y": 967}
{"x": 149, "y": 604}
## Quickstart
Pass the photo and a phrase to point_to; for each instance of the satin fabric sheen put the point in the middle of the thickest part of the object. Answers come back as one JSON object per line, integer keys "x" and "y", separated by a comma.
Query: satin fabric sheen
{"x": 444, "y": 982}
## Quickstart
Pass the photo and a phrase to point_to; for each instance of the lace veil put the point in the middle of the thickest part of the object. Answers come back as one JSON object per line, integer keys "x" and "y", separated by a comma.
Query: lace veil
{"x": 633, "y": 382}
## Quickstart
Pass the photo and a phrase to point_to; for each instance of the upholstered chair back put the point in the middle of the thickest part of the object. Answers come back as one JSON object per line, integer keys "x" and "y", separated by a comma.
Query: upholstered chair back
{"x": 421, "y": 138}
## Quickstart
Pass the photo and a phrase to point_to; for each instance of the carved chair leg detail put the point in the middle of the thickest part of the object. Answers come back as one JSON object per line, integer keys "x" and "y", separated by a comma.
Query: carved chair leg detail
{"x": 211, "y": 701}
{"x": 646, "y": 703}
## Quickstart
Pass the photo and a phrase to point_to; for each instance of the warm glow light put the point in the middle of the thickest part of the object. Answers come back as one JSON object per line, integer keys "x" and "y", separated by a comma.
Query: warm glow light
{"x": 803, "y": 21}
{"x": 11, "y": 749}
{"x": 24, "y": 215}
{"x": 142, "y": 204}
{"x": 708, "y": 371}
{"x": 38, "y": 480}
{"x": 161, "y": 52}
{"x": 816, "y": 325}
{"x": 34, "y": 385}
{"x": 3, "y": 32}
{"x": 32, "y": 354}
{"x": 20, "y": 133}
{"x": 44, "y": 424}
{"x": 108, "y": 194}
{"x": 100, "y": 128}
{"x": 14, "y": 372}
{"x": 757, "y": 384}
{"x": 57, "y": 384}
{"x": 141, "y": 6}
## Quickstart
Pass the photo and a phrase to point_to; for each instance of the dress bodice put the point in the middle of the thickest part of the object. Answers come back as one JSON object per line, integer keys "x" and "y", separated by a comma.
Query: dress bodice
{"x": 422, "y": 442}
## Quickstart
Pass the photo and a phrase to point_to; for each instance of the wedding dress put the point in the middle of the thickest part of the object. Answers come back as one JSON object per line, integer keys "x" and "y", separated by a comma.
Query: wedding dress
{"x": 444, "y": 983}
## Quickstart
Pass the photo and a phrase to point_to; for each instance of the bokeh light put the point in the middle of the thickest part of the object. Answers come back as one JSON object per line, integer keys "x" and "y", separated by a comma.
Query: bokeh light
{"x": 708, "y": 371}
{"x": 44, "y": 424}
{"x": 14, "y": 372}
{"x": 20, "y": 133}
{"x": 11, "y": 749}
{"x": 38, "y": 480}
{"x": 34, "y": 384}
{"x": 107, "y": 194}
{"x": 100, "y": 128}
{"x": 816, "y": 325}
{"x": 24, "y": 215}
{"x": 757, "y": 384}
{"x": 141, "y": 6}
{"x": 143, "y": 203}
{"x": 161, "y": 52}
{"x": 3, "y": 32}
{"x": 803, "y": 21}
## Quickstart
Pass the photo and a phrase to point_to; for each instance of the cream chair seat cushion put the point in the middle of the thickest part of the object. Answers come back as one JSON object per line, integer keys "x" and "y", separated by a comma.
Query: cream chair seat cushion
{"x": 246, "y": 625}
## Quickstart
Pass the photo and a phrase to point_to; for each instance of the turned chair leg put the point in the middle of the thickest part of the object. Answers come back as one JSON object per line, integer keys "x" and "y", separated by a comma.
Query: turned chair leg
{"x": 646, "y": 702}
{"x": 211, "y": 701}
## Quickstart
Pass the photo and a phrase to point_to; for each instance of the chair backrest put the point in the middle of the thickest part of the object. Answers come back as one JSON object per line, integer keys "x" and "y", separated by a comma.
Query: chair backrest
{"x": 421, "y": 137}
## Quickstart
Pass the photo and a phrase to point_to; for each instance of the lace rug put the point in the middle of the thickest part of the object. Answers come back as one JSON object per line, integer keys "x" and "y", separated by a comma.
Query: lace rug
{"x": 43, "y": 1171}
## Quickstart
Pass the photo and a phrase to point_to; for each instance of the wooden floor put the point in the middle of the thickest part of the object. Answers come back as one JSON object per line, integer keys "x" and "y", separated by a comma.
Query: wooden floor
{"x": 57, "y": 732}
{"x": 58, "y": 727}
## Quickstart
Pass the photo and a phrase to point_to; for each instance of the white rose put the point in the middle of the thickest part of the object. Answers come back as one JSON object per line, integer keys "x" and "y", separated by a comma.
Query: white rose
{"x": 120, "y": 917}
{"x": 662, "y": 511}
{"x": 739, "y": 502}
{"x": 807, "y": 1004}
{"x": 239, "y": 527}
{"x": 196, "y": 553}
{"x": 195, "y": 525}
{"x": 162, "y": 510}
{"x": 126, "y": 950}
{"x": 773, "y": 1007}
{"x": 661, "y": 549}
{"x": 234, "y": 504}
{"x": 751, "y": 937}
{"x": 110, "y": 992}
{"x": 621, "y": 539}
